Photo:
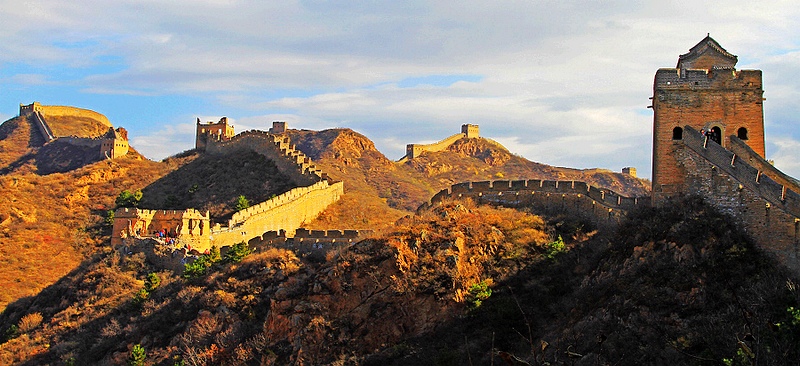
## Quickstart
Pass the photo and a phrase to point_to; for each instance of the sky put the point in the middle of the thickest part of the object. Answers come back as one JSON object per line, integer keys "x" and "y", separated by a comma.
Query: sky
{"x": 559, "y": 82}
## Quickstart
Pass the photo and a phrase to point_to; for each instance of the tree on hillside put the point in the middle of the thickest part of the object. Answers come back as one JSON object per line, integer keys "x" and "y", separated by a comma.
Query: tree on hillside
{"x": 128, "y": 199}
{"x": 242, "y": 203}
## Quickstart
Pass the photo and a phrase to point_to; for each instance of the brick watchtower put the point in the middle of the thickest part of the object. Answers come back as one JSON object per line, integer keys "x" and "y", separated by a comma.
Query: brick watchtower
{"x": 704, "y": 91}
{"x": 219, "y": 131}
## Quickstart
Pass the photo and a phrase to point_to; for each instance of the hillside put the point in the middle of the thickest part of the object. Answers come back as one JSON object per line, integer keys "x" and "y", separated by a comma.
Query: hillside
{"x": 53, "y": 200}
{"x": 379, "y": 190}
{"x": 213, "y": 183}
{"x": 662, "y": 290}
{"x": 23, "y": 150}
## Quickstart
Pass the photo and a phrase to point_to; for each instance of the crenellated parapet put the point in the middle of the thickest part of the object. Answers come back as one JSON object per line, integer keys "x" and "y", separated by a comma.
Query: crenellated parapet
{"x": 415, "y": 150}
{"x": 602, "y": 206}
{"x": 755, "y": 194}
{"x": 286, "y": 212}
{"x": 188, "y": 226}
{"x": 277, "y": 148}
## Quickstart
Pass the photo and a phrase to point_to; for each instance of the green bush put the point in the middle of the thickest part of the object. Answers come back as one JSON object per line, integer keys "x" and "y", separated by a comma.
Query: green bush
{"x": 241, "y": 203}
{"x": 477, "y": 293}
{"x": 152, "y": 282}
{"x": 109, "y": 219}
{"x": 137, "y": 356}
{"x": 128, "y": 199}
{"x": 237, "y": 252}
{"x": 200, "y": 266}
{"x": 12, "y": 332}
{"x": 141, "y": 296}
{"x": 555, "y": 247}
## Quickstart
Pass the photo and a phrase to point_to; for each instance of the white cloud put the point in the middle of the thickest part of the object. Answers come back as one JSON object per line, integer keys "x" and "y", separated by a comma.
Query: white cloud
{"x": 166, "y": 141}
{"x": 566, "y": 90}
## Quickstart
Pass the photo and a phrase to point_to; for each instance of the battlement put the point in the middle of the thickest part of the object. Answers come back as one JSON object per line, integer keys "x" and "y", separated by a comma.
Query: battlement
{"x": 601, "y": 206}
{"x": 277, "y": 128}
{"x": 691, "y": 79}
{"x": 629, "y": 170}
{"x": 279, "y": 200}
{"x": 415, "y": 150}
{"x": 189, "y": 226}
{"x": 212, "y": 131}
{"x": 277, "y": 148}
{"x": 26, "y": 110}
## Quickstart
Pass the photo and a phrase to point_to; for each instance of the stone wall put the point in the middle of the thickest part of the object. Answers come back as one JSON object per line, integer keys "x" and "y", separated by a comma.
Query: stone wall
{"x": 190, "y": 227}
{"x": 277, "y": 148}
{"x": 57, "y": 110}
{"x": 42, "y": 126}
{"x": 287, "y": 212}
{"x": 309, "y": 242}
{"x": 721, "y": 98}
{"x": 768, "y": 210}
{"x": 415, "y": 150}
{"x": 601, "y": 206}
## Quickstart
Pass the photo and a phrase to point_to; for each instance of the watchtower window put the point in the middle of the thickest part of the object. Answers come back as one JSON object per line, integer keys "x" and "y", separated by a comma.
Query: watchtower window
{"x": 677, "y": 133}
{"x": 716, "y": 135}
{"x": 742, "y": 133}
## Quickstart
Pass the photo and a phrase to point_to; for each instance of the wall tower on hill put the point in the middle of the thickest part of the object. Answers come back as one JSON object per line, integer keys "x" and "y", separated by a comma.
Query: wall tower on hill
{"x": 706, "y": 92}
{"x": 218, "y": 131}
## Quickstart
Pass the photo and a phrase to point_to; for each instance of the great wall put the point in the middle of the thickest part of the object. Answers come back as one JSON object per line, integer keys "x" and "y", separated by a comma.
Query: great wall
{"x": 113, "y": 144}
{"x": 415, "y": 150}
{"x": 603, "y": 207}
{"x": 708, "y": 140}
{"x": 286, "y": 213}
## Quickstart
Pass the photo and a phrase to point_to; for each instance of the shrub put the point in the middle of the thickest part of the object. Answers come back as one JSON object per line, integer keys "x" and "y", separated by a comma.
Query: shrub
{"x": 200, "y": 266}
{"x": 137, "y": 356}
{"x": 555, "y": 247}
{"x": 152, "y": 282}
{"x": 241, "y": 203}
{"x": 11, "y": 333}
{"x": 141, "y": 296}
{"x": 237, "y": 252}
{"x": 477, "y": 293}
{"x": 109, "y": 219}
{"x": 30, "y": 322}
{"x": 128, "y": 199}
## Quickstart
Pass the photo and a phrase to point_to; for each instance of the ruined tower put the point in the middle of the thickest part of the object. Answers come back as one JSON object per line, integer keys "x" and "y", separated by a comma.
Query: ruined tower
{"x": 706, "y": 92}
{"x": 218, "y": 131}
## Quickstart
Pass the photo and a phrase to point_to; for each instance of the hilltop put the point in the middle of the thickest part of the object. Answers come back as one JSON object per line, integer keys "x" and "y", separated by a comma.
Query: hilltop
{"x": 379, "y": 190}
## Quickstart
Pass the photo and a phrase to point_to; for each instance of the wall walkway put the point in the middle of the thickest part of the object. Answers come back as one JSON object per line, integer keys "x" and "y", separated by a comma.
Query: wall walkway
{"x": 751, "y": 193}
{"x": 601, "y": 206}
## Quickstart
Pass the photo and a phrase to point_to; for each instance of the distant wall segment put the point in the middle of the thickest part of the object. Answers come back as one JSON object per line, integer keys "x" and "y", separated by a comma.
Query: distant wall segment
{"x": 415, "y": 150}
{"x": 601, "y": 206}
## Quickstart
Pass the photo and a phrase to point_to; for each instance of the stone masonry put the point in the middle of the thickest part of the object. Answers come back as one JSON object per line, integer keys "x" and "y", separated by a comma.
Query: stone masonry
{"x": 706, "y": 92}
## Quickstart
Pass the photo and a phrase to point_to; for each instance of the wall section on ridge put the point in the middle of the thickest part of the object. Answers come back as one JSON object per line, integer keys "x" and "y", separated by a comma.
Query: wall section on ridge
{"x": 600, "y": 206}
{"x": 287, "y": 212}
{"x": 767, "y": 210}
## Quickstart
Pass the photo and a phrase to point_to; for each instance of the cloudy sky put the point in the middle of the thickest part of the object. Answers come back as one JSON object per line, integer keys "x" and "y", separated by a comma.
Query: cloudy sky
{"x": 559, "y": 82}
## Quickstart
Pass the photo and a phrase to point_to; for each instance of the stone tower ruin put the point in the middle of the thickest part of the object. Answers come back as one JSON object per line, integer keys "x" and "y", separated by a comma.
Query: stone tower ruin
{"x": 219, "y": 131}
{"x": 706, "y": 92}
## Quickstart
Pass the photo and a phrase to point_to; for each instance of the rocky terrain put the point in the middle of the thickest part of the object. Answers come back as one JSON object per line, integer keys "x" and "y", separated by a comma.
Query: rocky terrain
{"x": 453, "y": 284}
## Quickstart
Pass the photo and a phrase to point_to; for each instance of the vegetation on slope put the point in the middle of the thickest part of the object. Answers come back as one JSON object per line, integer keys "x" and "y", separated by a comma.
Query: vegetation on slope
{"x": 76, "y": 126}
{"x": 675, "y": 285}
{"x": 214, "y": 182}
{"x": 274, "y": 308}
{"x": 49, "y": 223}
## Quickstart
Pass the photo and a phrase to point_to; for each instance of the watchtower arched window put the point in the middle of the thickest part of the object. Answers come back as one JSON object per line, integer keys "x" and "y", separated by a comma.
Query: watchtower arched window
{"x": 741, "y": 133}
{"x": 716, "y": 135}
{"x": 677, "y": 133}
